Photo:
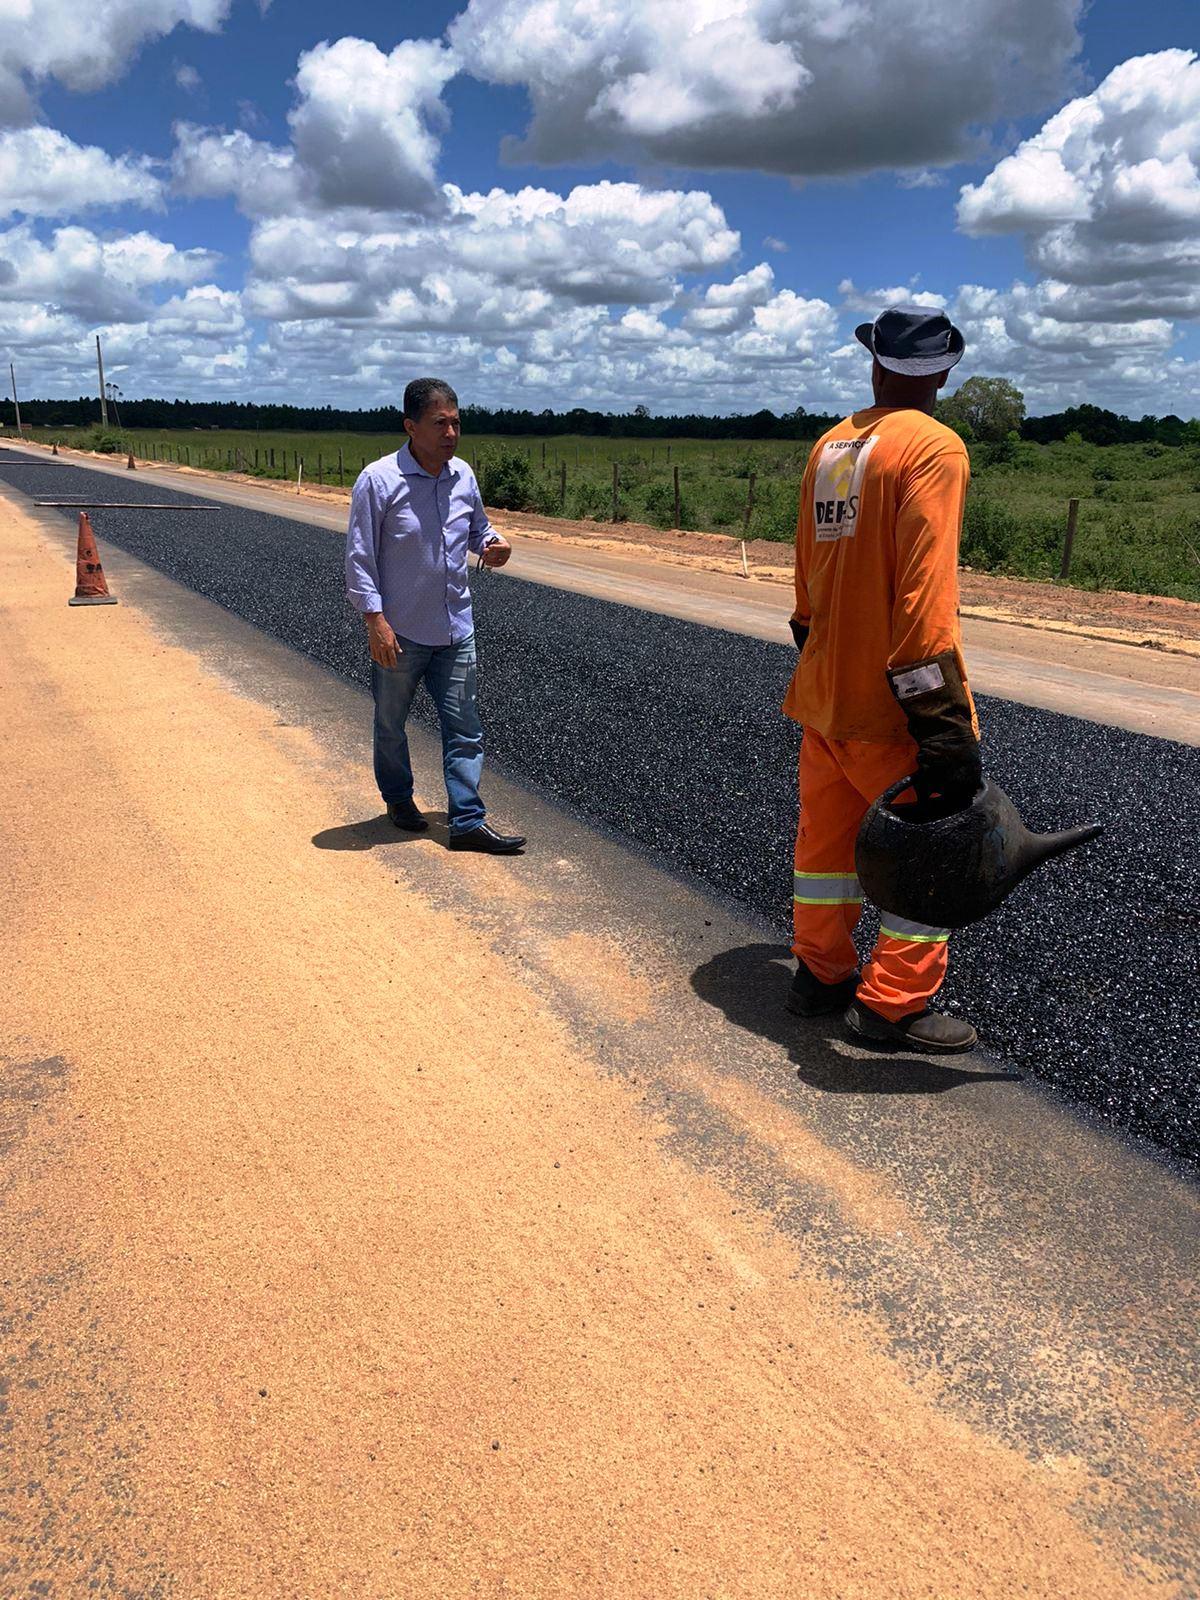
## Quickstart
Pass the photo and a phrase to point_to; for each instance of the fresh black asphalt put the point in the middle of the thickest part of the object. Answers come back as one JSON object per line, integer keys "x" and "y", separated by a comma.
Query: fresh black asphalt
{"x": 670, "y": 733}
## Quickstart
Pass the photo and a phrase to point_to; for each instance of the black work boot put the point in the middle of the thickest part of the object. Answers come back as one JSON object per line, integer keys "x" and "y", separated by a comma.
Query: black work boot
{"x": 929, "y": 1031}
{"x": 405, "y": 815}
{"x": 809, "y": 997}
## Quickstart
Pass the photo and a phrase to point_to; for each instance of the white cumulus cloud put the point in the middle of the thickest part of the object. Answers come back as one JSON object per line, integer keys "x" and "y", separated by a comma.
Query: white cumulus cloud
{"x": 364, "y": 137}
{"x": 98, "y": 279}
{"x": 495, "y": 259}
{"x": 1107, "y": 195}
{"x": 362, "y": 130}
{"x": 45, "y": 174}
{"x": 804, "y": 88}
{"x": 208, "y": 163}
{"x": 81, "y": 45}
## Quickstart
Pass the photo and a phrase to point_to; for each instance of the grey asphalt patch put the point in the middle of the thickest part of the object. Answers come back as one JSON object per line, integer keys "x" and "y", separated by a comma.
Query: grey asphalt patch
{"x": 670, "y": 734}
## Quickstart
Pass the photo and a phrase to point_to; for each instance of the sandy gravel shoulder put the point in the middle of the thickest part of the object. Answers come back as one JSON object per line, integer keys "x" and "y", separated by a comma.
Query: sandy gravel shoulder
{"x": 336, "y": 1270}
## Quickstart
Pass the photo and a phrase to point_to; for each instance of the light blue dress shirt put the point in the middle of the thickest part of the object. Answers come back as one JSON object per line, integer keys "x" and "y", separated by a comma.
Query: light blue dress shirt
{"x": 408, "y": 543}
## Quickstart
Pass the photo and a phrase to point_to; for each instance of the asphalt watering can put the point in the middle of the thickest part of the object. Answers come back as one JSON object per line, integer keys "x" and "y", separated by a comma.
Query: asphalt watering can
{"x": 943, "y": 867}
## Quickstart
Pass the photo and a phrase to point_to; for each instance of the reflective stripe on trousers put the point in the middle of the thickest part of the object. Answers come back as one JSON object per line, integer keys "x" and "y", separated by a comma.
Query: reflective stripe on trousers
{"x": 838, "y": 781}
{"x": 901, "y": 929}
{"x": 827, "y": 889}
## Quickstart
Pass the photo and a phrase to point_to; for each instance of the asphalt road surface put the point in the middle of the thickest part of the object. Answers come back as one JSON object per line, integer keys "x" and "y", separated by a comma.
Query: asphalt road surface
{"x": 669, "y": 733}
{"x": 1118, "y": 684}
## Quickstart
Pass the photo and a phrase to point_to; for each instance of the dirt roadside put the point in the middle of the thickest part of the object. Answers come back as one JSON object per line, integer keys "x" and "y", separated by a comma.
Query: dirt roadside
{"x": 1149, "y": 621}
{"x": 337, "y": 1271}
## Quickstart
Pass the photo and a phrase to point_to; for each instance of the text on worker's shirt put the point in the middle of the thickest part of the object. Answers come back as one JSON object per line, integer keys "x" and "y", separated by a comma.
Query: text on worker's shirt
{"x": 837, "y": 487}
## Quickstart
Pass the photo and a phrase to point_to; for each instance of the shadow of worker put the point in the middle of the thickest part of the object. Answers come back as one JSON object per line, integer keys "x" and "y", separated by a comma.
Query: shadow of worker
{"x": 749, "y": 985}
{"x": 379, "y": 830}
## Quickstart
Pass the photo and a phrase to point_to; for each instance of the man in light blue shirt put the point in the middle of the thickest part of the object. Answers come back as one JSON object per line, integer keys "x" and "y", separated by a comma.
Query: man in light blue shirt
{"x": 415, "y": 516}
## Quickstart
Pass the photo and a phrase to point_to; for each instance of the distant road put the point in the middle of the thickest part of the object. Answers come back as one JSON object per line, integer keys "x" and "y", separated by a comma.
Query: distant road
{"x": 1120, "y": 685}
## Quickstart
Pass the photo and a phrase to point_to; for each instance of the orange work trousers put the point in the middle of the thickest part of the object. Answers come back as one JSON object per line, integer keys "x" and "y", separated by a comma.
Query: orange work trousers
{"x": 839, "y": 779}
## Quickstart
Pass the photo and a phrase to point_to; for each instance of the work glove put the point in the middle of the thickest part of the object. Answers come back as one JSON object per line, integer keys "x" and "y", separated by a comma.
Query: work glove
{"x": 799, "y": 632}
{"x": 936, "y": 705}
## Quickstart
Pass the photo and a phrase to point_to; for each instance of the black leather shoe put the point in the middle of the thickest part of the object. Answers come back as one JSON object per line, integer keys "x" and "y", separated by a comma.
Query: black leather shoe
{"x": 488, "y": 840}
{"x": 405, "y": 815}
{"x": 927, "y": 1031}
{"x": 809, "y": 997}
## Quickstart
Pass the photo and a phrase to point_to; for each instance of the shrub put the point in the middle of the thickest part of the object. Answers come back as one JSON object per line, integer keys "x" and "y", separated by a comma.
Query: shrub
{"x": 104, "y": 442}
{"x": 586, "y": 497}
{"x": 506, "y": 480}
{"x": 658, "y": 505}
{"x": 776, "y": 504}
{"x": 989, "y": 533}
{"x": 546, "y": 499}
{"x": 998, "y": 453}
{"x": 725, "y": 501}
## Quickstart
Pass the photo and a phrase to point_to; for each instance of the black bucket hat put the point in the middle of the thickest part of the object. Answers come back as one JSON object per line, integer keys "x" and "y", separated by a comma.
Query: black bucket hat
{"x": 913, "y": 340}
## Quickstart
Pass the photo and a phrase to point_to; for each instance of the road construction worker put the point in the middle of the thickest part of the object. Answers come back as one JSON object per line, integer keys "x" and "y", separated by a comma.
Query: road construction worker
{"x": 880, "y": 687}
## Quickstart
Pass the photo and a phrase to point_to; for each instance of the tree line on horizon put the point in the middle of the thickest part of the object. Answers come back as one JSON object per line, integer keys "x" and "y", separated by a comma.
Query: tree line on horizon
{"x": 1092, "y": 424}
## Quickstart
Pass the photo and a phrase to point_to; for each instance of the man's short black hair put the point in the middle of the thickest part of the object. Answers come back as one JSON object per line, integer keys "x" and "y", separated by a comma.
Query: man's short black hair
{"x": 421, "y": 391}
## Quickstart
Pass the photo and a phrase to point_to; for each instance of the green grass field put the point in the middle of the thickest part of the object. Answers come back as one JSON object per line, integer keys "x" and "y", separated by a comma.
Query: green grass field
{"x": 1139, "y": 504}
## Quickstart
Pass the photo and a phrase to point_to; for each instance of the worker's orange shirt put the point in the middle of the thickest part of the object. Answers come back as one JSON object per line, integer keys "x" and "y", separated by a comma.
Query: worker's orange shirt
{"x": 881, "y": 509}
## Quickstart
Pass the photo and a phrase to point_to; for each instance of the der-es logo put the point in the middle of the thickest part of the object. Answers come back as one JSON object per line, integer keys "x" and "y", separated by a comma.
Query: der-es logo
{"x": 837, "y": 487}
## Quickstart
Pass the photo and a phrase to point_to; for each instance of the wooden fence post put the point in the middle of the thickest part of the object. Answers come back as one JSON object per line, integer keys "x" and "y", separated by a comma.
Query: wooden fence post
{"x": 1069, "y": 541}
{"x": 341, "y": 470}
{"x": 749, "y": 502}
{"x": 271, "y": 453}
{"x": 614, "y": 491}
{"x": 678, "y": 514}
{"x": 320, "y": 470}
{"x": 562, "y": 485}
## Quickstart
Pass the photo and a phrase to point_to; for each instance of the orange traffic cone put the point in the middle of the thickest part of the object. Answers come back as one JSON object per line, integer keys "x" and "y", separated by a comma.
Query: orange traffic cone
{"x": 129, "y": 466}
{"x": 90, "y": 587}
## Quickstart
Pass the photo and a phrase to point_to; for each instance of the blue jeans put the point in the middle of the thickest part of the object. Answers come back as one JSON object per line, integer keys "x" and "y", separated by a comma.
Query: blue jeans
{"x": 448, "y": 672}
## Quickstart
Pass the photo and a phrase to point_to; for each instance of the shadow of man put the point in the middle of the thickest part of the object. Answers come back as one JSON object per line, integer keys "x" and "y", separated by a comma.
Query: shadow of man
{"x": 373, "y": 831}
{"x": 749, "y": 985}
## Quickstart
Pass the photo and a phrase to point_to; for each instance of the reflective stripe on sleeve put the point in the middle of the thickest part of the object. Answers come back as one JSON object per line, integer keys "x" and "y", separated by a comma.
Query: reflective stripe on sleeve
{"x": 827, "y": 889}
{"x": 913, "y": 932}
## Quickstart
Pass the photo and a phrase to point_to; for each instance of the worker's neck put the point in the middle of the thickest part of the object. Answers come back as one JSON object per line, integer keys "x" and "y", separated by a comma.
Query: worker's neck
{"x": 907, "y": 397}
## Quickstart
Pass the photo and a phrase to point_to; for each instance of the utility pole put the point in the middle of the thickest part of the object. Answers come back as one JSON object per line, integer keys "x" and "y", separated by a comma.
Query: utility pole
{"x": 103, "y": 398}
{"x": 12, "y": 372}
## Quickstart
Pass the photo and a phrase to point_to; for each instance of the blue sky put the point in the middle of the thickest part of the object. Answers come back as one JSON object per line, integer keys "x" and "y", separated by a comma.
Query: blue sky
{"x": 776, "y": 187}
